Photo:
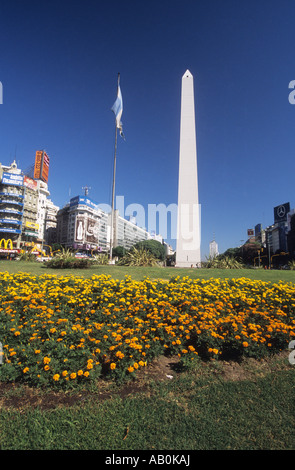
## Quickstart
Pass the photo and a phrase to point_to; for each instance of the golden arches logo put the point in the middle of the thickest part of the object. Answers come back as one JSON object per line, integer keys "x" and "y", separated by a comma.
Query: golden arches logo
{"x": 7, "y": 244}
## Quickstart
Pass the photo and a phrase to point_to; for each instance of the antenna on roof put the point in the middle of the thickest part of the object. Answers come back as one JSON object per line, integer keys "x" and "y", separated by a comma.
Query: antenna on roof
{"x": 86, "y": 190}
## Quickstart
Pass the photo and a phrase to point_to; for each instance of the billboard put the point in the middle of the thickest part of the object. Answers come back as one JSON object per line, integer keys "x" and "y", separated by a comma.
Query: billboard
{"x": 80, "y": 229}
{"x": 12, "y": 179}
{"x": 29, "y": 183}
{"x": 84, "y": 200}
{"x": 32, "y": 225}
{"x": 41, "y": 168}
{"x": 250, "y": 232}
{"x": 10, "y": 230}
{"x": 45, "y": 168}
{"x": 86, "y": 230}
{"x": 38, "y": 162}
{"x": 92, "y": 231}
{"x": 280, "y": 212}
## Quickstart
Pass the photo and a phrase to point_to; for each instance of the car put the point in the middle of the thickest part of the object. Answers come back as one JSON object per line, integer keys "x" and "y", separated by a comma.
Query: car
{"x": 43, "y": 258}
{"x": 81, "y": 255}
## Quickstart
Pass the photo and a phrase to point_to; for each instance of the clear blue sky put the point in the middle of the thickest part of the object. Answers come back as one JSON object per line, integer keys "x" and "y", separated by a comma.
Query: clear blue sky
{"x": 59, "y": 62}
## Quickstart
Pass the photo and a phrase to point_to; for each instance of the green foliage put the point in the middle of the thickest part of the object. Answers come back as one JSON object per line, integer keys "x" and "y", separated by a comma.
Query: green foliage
{"x": 27, "y": 256}
{"x": 138, "y": 257}
{"x": 69, "y": 263}
{"x": 119, "y": 251}
{"x": 101, "y": 259}
{"x": 225, "y": 262}
{"x": 154, "y": 247}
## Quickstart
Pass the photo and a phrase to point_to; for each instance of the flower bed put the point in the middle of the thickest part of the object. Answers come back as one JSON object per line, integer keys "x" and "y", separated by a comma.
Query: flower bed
{"x": 67, "y": 330}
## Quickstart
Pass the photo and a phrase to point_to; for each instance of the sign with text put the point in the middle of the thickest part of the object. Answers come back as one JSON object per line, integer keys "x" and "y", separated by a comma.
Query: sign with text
{"x": 280, "y": 212}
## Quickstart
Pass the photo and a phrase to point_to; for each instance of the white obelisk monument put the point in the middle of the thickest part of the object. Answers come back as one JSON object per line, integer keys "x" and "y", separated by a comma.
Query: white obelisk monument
{"x": 188, "y": 246}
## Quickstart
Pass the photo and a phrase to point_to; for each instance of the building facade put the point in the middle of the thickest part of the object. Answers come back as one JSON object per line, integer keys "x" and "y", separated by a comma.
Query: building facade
{"x": 11, "y": 204}
{"x": 27, "y": 216}
{"x": 82, "y": 225}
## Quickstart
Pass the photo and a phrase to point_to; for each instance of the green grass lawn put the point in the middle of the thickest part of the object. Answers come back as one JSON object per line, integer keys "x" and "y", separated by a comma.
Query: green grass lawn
{"x": 197, "y": 410}
{"x": 139, "y": 273}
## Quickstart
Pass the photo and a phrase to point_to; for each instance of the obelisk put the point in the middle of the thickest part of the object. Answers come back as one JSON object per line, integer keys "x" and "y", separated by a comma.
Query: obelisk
{"x": 188, "y": 245}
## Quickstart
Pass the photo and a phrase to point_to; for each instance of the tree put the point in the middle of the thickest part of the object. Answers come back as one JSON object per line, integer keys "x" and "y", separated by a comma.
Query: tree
{"x": 154, "y": 247}
{"x": 119, "y": 251}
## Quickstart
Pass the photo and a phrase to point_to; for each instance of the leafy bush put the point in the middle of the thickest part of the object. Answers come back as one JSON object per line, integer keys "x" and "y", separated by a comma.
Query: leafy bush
{"x": 70, "y": 263}
{"x": 225, "y": 262}
{"x": 101, "y": 259}
{"x": 138, "y": 257}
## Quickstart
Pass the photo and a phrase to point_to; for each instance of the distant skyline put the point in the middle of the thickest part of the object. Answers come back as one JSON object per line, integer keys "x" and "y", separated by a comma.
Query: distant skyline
{"x": 59, "y": 63}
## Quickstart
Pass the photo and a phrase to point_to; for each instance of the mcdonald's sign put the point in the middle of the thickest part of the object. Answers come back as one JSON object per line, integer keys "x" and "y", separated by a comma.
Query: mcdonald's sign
{"x": 7, "y": 244}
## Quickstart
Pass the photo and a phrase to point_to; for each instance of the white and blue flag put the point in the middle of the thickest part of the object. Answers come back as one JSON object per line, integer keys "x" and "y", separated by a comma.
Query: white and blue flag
{"x": 118, "y": 110}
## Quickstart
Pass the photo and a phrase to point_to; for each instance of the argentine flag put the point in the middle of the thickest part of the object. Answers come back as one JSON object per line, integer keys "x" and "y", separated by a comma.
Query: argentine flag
{"x": 118, "y": 110}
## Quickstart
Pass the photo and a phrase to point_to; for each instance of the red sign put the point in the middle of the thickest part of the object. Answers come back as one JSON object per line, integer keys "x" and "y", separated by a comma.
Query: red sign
{"x": 38, "y": 163}
{"x": 41, "y": 168}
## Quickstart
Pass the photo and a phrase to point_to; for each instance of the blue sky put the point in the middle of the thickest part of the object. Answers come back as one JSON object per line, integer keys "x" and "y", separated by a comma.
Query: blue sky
{"x": 59, "y": 62}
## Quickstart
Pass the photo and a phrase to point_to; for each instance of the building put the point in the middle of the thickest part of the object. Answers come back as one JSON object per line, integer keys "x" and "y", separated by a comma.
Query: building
{"x": 30, "y": 227}
{"x": 11, "y": 204}
{"x": 127, "y": 233}
{"x": 50, "y": 224}
{"x": 82, "y": 225}
{"x": 27, "y": 216}
{"x": 213, "y": 249}
{"x": 188, "y": 219}
{"x": 276, "y": 235}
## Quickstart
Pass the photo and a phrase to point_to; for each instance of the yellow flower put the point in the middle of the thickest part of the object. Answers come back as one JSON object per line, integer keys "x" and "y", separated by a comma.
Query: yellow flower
{"x": 46, "y": 360}
{"x": 245, "y": 344}
{"x": 80, "y": 372}
{"x": 130, "y": 369}
{"x": 56, "y": 377}
{"x": 113, "y": 366}
{"x": 73, "y": 375}
{"x": 26, "y": 369}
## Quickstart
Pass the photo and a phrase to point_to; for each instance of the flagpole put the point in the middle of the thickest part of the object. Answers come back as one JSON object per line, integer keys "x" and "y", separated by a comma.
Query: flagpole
{"x": 113, "y": 191}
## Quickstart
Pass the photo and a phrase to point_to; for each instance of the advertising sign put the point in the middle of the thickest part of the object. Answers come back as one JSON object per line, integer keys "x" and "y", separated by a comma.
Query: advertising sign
{"x": 10, "y": 230}
{"x": 41, "y": 168}
{"x": 38, "y": 163}
{"x": 280, "y": 212}
{"x": 80, "y": 229}
{"x": 10, "y": 221}
{"x": 83, "y": 200}
{"x": 86, "y": 230}
{"x": 29, "y": 183}
{"x": 12, "y": 180}
{"x": 32, "y": 225}
{"x": 92, "y": 231}
{"x": 250, "y": 232}
{"x": 45, "y": 168}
